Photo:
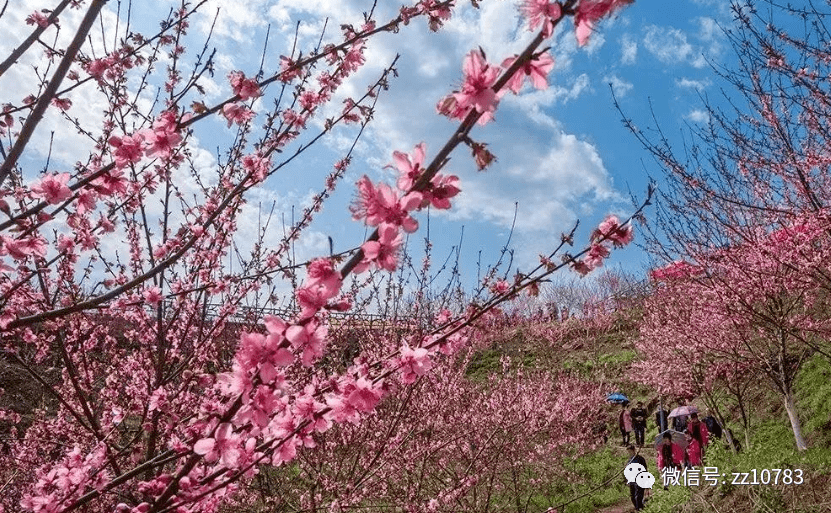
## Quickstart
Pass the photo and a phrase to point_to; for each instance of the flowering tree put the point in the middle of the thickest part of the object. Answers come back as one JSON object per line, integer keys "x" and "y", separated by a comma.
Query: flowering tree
{"x": 749, "y": 308}
{"x": 446, "y": 444}
{"x": 763, "y": 164}
{"x": 748, "y": 201}
{"x": 689, "y": 347}
{"x": 153, "y": 403}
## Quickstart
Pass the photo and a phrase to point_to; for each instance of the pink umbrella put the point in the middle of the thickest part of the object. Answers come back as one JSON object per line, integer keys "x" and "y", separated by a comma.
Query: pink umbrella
{"x": 682, "y": 411}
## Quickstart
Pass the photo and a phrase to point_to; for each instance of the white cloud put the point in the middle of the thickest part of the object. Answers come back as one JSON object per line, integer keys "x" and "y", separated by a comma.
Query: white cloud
{"x": 595, "y": 43}
{"x": 628, "y": 49}
{"x": 619, "y": 86}
{"x": 711, "y": 36}
{"x": 698, "y": 116}
{"x": 708, "y": 29}
{"x": 88, "y": 109}
{"x": 688, "y": 83}
{"x": 236, "y": 19}
{"x": 670, "y": 46}
{"x": 22, "y": 80}
{"x": 534, "y": 101}
{"x": 721, "y": 7}
{"x": 548, "y": 181}
{"x": 554, "y": 175}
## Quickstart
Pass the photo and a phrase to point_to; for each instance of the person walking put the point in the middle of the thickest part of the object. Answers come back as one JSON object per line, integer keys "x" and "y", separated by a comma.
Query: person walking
{"x": 670, "y": 454}
{"x": 635, "y": 491}
{"x": 693, "y": 452}
{"x": 712, "y": 425}
{"x": 698, "y": 431}
{"x": 625, "y": 423}
{"x": 679, "y": 423}
{"x": 639, "y": 423}
{"x": 661, "y": 419}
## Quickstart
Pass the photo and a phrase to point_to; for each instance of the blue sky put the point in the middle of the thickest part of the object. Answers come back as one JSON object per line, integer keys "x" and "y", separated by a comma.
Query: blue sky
{"x": 563, "y": 153}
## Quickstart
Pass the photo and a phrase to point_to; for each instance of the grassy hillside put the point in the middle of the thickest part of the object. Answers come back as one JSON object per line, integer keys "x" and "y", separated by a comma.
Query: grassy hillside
{"x": 604, "y": 356}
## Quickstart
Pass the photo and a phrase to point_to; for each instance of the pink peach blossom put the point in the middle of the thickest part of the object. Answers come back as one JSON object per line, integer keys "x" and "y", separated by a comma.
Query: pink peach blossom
{"x": 245, "y": 88}
{"x": 62, "y": 103}
{"x": 224, "y": 446}
{"x": 413, "y": 363}
{"x": 589, "y": 12}
{"x": 153, "y": 295}
{"x": 541, "y": 12}
{"x": 38, "y": 18}
{"x": 236, "y": 113}
{"x": 53, "y": 188}
{"x": 537, "y": 69}
{"x": 410, "y": 168}
{"x": 310, "y": 338}
{"x": 611, "y": 229}
{"x": 384, "y": 252}
{"x": 442, "y": 188}
{"x": 380, "y": 204}
{"x": 163, "y": 137}
{"x": 322, "y": 272}
{"x": 476, "y": 91}
{"x": 21, "y": 249}
{"x": 128, "y": 148}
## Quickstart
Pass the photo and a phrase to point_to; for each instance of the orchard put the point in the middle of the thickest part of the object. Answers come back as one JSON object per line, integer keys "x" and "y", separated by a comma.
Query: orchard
{"x": 162, "y": 353}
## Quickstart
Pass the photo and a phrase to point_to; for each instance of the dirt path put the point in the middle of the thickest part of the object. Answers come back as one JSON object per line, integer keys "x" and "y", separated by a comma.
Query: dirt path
{"x": 624, "y": 506}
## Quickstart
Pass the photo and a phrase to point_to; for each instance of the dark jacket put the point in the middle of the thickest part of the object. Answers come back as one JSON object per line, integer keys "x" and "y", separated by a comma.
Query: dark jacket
{"x": 639, "y": 417}
{"x": 679, "y": 423}
{"x": 638, "y": 459}
{"x": 661, "y": 419}
{"x": 712, "y": 426}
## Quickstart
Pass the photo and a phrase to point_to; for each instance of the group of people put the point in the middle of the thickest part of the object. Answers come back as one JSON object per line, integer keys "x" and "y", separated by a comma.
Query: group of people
{"x": 670, "y": 455}
{"x": 632, "y": 421}
{"x": 635, "y": 421}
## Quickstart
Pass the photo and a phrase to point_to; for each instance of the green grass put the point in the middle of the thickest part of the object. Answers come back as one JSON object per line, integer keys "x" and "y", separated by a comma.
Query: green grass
{"x": 586, "y": 363}
{"x": 620, "y": 358}
{"x": 594, "y": 469}
{"x": 487, "y": 362}
{"x": 773, "y": 446}
{"x": 584, "y": 473}
{"x": 771, "y": 439}
{"x": 667, "y": 501}
{"x": 813, "y": 388}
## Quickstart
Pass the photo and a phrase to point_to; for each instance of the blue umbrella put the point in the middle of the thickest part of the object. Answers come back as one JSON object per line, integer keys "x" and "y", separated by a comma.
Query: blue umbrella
{"x": 617, "y": 398}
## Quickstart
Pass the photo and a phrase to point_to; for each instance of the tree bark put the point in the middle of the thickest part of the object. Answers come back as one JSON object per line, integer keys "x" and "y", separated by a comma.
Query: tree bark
{"x": 796, "y": 425}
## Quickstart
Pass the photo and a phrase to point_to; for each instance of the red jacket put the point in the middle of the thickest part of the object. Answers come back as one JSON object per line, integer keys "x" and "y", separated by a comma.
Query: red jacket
{"x": 705, "y": 435}
{"x": 625, "y": 420}
{"x": 694, "y": 453}
{"x": 677, "y": 455}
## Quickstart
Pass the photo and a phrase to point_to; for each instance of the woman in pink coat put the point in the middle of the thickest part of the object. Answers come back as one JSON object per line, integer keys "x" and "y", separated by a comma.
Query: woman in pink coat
{"x": 670, "y": 455}
{"x": 693, "y": 452}
{"x": 625, "y": 423}
{"x": 698, "y": 430}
